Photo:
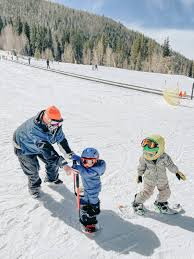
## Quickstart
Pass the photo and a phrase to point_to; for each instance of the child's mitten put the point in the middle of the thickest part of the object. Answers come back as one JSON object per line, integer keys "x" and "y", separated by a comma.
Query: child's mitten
{"x": 180, "y": 176}
{"x": 139, "y": 179}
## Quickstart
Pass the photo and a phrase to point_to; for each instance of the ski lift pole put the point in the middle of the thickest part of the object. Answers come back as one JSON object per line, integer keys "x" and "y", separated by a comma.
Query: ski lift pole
{"x": 192, "y": 91}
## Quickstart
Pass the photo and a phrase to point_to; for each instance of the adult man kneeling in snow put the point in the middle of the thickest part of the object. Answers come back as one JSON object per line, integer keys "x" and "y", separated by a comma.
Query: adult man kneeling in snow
{"x": 33, "y": 140}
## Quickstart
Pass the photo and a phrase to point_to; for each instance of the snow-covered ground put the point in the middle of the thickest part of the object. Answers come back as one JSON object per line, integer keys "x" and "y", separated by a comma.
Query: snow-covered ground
{"x": 113, "y": 120}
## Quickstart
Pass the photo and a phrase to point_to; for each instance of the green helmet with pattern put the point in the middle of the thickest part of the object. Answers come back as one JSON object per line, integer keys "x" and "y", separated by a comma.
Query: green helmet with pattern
{"x": 153, "y": 147}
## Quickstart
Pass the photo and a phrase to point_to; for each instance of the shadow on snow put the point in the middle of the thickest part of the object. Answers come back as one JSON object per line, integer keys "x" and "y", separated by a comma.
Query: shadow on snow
{"x": 117, "y": 234}
{"x": 179, "y": 220}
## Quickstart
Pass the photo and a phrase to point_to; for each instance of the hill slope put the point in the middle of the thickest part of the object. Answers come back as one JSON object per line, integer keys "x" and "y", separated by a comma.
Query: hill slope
{"x": 40, "y": 28}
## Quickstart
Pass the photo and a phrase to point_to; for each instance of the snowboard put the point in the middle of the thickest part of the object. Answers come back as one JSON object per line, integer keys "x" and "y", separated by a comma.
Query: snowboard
{"x": 125, "y": 210}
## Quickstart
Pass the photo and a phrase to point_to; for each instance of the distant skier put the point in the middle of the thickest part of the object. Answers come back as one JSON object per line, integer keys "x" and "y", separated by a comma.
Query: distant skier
{"x": 29, "y": 59}
{"x": 152, "y": 165}
{"x": 95, "y": 67}
{"x": 48, "y": 64}
{"x": 33, "y": 140}
{"x": 90, "y": 168}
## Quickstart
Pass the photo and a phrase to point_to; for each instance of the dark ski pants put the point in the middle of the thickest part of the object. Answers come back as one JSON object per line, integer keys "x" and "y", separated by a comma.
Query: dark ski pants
{"x": 30, "y": 167}
{"x": 88, "y": 213}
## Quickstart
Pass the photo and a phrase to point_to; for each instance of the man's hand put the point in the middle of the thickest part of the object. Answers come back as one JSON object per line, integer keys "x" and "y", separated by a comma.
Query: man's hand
{"x": 70, "y": 170}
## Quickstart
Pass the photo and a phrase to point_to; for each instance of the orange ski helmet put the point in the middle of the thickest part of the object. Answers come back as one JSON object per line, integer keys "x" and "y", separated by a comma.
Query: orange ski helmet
{"x": 53, "y": 113}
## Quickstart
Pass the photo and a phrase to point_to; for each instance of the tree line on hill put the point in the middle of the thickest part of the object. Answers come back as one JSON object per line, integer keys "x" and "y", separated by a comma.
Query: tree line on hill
{"x": 43, "y": 29}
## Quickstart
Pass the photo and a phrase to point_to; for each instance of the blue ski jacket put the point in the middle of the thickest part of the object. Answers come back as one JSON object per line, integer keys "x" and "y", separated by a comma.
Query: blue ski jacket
{"x": 34, "y": 138}
{"x": 90, "y": 179}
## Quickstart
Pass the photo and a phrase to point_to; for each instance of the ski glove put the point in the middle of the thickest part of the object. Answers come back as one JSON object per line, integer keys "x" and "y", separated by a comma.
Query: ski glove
{"x": 180, "y": 176}
{"x": 69, "y": 155}
{"x": 139, "y": 179}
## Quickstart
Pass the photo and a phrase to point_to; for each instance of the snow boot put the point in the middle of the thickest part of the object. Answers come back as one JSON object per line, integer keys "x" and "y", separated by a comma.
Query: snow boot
{"x": 58, "y": 181}
{"x": 138, "y": 208}
{"x": 162, "y": 207}
{"x": 89, "y": 229}
{"x": 87, "y": 219}
{"x": 35, "y": 192}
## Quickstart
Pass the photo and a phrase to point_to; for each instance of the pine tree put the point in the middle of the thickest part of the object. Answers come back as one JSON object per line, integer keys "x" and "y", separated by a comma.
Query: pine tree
{"x": 135, "y": 52}
{"x": 33, "y": 39}
{"x": 27, "y": 49}
{"x": 57, "y": 50}
{"x": 18, "y": 26}
{"x": 1, "y": 24}
{"x": 77, "y": 41}
{"x": 166, "y": 48}
{"x": 26, "y": 30}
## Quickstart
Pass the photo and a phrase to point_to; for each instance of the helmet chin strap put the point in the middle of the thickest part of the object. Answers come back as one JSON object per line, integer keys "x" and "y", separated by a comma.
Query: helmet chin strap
{"x": 52, "y": 129}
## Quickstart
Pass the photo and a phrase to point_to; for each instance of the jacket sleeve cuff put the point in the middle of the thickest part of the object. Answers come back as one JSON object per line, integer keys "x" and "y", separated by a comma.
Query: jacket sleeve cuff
{"x": 75, "y": 157}
{"x": 62, "y": 162}
{"x": 140, "y": 173}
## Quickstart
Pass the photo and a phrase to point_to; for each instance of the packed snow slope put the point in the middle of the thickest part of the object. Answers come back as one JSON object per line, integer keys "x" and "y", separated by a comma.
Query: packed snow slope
{"x": 143, "y": 79}
{"x": 113, "y": 120}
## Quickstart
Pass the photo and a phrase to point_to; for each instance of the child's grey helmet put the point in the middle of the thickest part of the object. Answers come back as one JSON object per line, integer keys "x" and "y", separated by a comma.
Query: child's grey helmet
{"x": 90, "y": 152}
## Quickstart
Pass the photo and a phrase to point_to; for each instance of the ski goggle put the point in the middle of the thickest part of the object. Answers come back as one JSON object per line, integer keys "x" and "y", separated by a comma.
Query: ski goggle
{"x": 88, "y": 162}
{"x": 150, "y": 143}
{"x": 56, "y": 123}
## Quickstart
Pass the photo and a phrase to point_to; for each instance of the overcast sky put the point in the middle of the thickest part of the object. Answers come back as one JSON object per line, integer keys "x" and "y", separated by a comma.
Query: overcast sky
{"x": 155, "y": 18}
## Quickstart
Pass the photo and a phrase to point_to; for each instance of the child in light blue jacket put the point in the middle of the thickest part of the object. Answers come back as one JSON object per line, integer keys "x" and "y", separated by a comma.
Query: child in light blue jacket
{"x": 90, "y": 168}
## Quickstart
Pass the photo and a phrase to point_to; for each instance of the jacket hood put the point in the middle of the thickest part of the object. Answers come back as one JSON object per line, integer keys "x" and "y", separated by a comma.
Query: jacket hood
{"x": 39, "y": 122}
{"x": 161, "y": 143}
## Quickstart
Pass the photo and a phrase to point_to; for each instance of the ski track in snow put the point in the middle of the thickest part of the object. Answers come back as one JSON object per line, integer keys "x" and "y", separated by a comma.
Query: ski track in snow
{"x": 114, "y": 121}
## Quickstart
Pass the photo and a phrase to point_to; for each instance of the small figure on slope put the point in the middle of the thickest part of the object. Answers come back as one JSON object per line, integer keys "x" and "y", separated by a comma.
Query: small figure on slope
{"x": 47, "y": 63}
{"x": 152, "y": 169}
{"x": 90, "y": 168}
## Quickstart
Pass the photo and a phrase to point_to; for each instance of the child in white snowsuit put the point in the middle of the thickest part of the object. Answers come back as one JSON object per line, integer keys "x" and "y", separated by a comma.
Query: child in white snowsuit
{"x": 152, "y": 167}
{"x": 90, "y": 168}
